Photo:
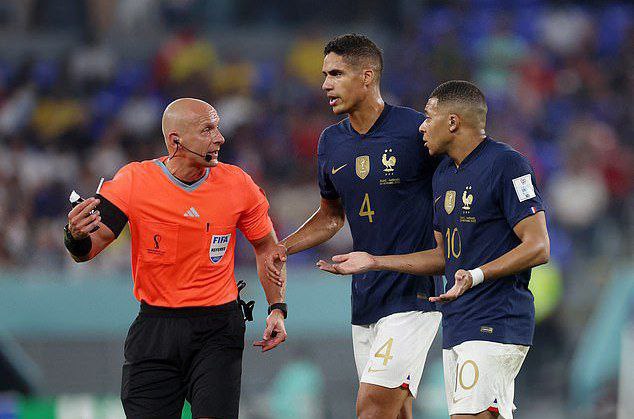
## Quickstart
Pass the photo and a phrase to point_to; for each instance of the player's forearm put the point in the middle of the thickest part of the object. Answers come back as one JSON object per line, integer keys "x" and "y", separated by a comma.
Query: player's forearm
{"x": 319, "y": 228}
{"x": 427, "y": 262}
{"x": 525, "y": 256}
{"x": 273, "y": 292}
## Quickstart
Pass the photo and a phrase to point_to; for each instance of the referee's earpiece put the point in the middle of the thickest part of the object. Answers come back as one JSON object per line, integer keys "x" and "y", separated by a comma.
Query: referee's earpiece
{"x": 177, "y": 142}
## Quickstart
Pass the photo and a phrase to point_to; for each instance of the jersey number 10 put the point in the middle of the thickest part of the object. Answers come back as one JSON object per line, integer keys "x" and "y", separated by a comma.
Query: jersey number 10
{"x": 454, "y": 247}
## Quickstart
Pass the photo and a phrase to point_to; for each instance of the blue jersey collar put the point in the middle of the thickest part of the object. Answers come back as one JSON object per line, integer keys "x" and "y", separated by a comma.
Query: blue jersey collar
{"x": 377, "y": 124}
{"x": 475, "y": 152}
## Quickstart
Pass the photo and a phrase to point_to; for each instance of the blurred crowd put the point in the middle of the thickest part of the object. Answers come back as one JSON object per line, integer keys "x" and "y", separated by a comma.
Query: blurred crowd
{"x": 558, "y": 81}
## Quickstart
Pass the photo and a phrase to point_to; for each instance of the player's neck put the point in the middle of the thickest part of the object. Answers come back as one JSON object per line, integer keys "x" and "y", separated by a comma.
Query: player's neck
{"x": 184, "y": 172}
{"x": 464, "y": 146}
{"x": 366, "y": 114}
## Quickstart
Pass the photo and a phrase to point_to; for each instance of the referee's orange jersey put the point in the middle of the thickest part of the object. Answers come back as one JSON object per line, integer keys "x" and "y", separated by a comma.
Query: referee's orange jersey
{"x": 183, "y": 236}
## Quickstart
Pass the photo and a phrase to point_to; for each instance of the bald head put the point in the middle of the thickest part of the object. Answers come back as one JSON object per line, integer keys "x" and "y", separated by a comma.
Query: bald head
{"x": 181, "y": 113}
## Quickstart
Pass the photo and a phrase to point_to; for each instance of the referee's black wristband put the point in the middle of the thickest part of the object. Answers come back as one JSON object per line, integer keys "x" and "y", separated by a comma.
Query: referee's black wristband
{"x": 79, "y": 248}
{"x": 279, "y": 306}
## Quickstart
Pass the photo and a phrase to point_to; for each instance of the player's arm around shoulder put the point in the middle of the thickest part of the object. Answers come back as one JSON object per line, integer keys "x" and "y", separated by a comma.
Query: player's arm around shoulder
{"x": 275, "y": 331}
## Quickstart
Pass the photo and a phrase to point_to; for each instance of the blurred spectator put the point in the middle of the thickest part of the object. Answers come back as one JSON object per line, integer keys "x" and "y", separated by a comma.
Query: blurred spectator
{"x": 68, "y": 119}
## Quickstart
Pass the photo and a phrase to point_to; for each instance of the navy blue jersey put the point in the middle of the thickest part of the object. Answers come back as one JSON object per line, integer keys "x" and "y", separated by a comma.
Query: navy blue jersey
{"x": 383, "y": 178}
{"x": 476, "y": 207}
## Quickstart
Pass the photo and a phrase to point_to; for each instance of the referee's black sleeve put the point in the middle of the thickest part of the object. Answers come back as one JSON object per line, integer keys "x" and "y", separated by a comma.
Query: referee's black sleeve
{"x": 111, "y": 215}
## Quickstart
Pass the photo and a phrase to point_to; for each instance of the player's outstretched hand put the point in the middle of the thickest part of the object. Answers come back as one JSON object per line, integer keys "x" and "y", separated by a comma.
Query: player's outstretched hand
{"x": 350, "y": 263}
{"x": 80, "y": 220}
{"x": 275, "y": 332}
{"x": 464, "y": 281}
{"x": 274, "y": 263}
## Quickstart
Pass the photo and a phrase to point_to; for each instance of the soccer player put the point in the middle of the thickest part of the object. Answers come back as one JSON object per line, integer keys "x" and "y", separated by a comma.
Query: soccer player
{"x": 183, "y": 210}
{"x": 374, "y": 170}
{"x": 490, "y": 231}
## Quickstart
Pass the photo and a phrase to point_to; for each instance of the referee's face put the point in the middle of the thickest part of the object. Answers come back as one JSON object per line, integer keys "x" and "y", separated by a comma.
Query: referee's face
{"x": 343, "y": 84}
{"x": 204, "y": 137}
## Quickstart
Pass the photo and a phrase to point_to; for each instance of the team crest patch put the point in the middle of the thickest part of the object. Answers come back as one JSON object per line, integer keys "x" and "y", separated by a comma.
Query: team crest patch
{"x": 363, "y": 166}
{"x": 218, "y": 247}
{"x": 450, "y": 201}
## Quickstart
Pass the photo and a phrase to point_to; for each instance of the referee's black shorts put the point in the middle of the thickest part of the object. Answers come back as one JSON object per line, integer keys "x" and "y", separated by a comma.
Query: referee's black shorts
{"x": 184, "y": 353}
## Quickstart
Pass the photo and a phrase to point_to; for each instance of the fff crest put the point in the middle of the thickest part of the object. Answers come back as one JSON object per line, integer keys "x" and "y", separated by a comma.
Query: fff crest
{"x": 362, "y": 166}
{"x": 467, "y": 199}
{"x": 450, "y": 201}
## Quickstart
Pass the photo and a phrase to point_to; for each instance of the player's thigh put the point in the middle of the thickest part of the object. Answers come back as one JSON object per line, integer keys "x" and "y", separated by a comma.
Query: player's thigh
{"x": 406, "y": 409}
{"x": 214, "y": 377}
{"x": 362, "y": 340}
{"x": 375, "y": 401}
{"x": 152, "y": 381}
{"x": 397, "y": 356}
{"x": 480, "y": 377}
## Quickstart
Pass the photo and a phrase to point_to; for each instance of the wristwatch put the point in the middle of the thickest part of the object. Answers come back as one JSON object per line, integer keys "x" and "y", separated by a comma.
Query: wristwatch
{"x": 279, "y": 306}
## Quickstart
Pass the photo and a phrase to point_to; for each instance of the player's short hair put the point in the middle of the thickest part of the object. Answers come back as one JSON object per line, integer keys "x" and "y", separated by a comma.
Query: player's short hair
{"x": 461, "y": 92}
{"x": 356, "y": 49}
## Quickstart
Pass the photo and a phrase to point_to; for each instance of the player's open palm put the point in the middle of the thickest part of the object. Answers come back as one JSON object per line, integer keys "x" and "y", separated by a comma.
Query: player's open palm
{"x": 274, "y": 264}
{"x": 274, "y": 333}
{"x": 350, "y": 263}
{"x": 463, "y": 281}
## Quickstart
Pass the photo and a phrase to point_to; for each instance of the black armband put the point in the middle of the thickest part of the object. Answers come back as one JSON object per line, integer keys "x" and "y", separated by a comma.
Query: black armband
{"x": 79, "y": 248}
{"x": 279, "y": 306}
{"x": 111, "y": 216}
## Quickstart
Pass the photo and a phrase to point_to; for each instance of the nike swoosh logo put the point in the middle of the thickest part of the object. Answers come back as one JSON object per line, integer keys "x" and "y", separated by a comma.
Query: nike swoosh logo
{"x": 338, "y": 169}
{"x": 436, "y": 200}
{"x": 370, "y": 369}
{"x": 457, "y": 400}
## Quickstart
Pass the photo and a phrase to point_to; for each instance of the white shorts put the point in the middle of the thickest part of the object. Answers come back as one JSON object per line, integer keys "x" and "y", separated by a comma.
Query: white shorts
{"x": 480, "y": 376}
{"x": 392, "y": 352}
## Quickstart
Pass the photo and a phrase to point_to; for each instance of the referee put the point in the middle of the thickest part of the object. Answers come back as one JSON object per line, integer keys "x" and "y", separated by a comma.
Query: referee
{"x": 183, "y": 210}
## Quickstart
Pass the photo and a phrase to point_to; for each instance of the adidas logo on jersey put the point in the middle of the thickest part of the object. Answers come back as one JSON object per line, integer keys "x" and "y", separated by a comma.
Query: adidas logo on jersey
{"x": 192, "y": 213}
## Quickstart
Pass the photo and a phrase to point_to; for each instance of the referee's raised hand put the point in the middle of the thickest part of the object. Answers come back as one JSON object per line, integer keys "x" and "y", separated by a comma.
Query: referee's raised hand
{"x": 83, "y": 219}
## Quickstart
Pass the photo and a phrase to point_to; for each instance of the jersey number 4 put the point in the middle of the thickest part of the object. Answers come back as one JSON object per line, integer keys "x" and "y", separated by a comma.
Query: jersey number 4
{"x": 386, "y": 355}
{"x": 366, "y": 210}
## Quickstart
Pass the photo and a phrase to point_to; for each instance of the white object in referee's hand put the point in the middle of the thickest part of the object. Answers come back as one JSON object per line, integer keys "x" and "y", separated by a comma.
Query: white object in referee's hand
{"x": 75, "y": 199}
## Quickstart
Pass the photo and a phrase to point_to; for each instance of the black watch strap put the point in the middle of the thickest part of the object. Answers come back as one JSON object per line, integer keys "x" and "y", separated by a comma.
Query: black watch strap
{"x": 279, "y": 306}
{"x": 79, "y": 248}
